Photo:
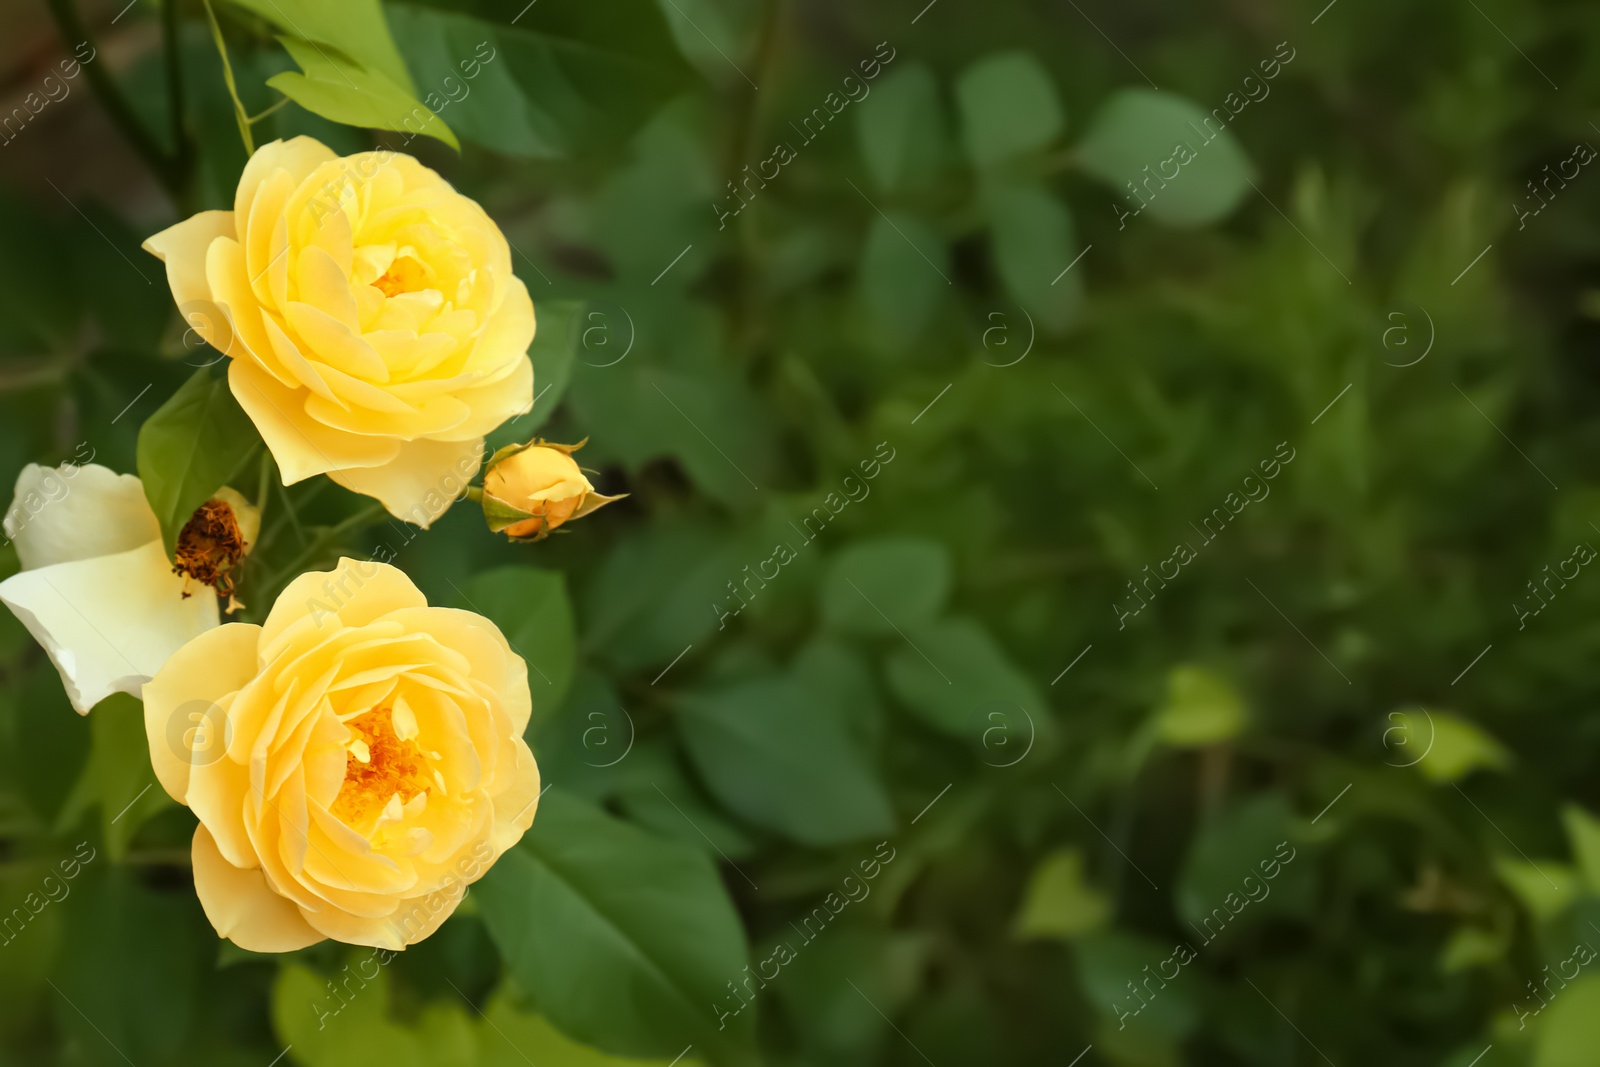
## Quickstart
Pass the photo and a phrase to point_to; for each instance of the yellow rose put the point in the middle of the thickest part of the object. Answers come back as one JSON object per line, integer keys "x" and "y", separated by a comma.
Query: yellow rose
{"x": 531, "y": 489}
{"x": 355, "y": 762}
{"x": 375, "y": 327}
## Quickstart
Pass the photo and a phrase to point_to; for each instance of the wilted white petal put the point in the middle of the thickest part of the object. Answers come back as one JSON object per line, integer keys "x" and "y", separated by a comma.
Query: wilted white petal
{"x": 110, "y": 622}
{"x": 66, "y": 513}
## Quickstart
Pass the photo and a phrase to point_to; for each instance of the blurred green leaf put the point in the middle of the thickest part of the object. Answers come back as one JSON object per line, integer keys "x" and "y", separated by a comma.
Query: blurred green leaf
{"x": 1112, "y": 961}
{"x": 1583, "y": 832}
{"x": 1009, "y": 107}
{"x": 1569, "y": 1034}
{"x": 1059, "y": 902}
{"x": 1138, "y": 130}
{"x": 531, "y": 608}
{"x": 767, "y": 753}
{"x": 586, "y": 902}
{"x": 118, "y": 779}
{"x": 543, "y": 89}
{"x": 197, "y": 442}
{"x": 1202, "y": 708}
{"x": 951, "y": 674}
{"x": 901, "y": 129}
{"x": 1035, "y": 247}
{"x": 1248, "y": 863}
{"x": 903, "y": 268}
{"x": 1456, "y": 747}
{"x": 873, "y": 587}
{"x": 1546, "y": 888}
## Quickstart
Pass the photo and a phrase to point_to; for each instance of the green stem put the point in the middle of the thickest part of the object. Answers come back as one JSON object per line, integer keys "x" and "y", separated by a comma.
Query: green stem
{"x": 322, "y": 542}
{"x": 240, "y": 115}
{"x": 253, "y": 119}
{"x": 165, "y": 168}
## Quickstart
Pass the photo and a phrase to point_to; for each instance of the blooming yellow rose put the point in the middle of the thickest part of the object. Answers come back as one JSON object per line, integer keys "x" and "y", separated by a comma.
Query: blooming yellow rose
{"x": 531, "y": 489}
{"x": 355, "y": 762}
{"x": 375, "y": 327}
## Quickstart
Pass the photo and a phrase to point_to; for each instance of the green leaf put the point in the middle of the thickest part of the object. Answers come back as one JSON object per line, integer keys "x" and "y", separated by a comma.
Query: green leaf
{"x": 197, "y": 442}
{"x": 717, "y": 36}
{"x": 901, "y": 129}
{"x": 588, "y": 903}
{"x": 532, "y": 609}
{"x": 512, "y": 1038}
{"x": 1059, "y": 902}
{"x": 119, "y": 778}
{"x": 1570, "y": 1032}
{"x": 769, "y": 754}
{"x": 1453, "y": 746}
{"x": 337, "y": 87}
{"x": 1008, "y": 106}
{"x": 1247, "y": 863}
{"x": 1202, "y": 708}
{"x": 352, "y": 1025}
{"x": 130, "y": 968}
{"x": 354, "y": 27}
{"x": 954, "y": 676}
{"x": 1035, "y": 242}
{"x": 1142, "y": 128}
{"x": 552, "y": 86}
{"x": 1109, "y": 960}
{"x": 872, "y": 587}
{"x": 555, "y": 344}
{"x": 904, "y": 269}
{"x": 1583, "y": 831}
{"x": 1545, "y": 889}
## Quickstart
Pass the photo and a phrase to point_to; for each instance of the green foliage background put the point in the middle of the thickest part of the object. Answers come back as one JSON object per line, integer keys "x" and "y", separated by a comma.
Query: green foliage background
{"x": 945, "y": 286}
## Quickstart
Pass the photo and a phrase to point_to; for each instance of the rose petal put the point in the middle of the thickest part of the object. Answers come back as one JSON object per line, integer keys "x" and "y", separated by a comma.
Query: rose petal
{"x": 70, "y": 513}
{"x": 182, "y": 714}
{"x": 242, "y": 907}
{"x": 109, "y": 623}
{"x": 421, "y": 482}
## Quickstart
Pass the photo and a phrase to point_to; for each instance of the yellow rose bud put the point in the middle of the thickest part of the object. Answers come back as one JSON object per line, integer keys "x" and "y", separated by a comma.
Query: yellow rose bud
{"x": 374, "y": 326}
{"x": 355, "y": 762}
{"x": 531, "y": 489}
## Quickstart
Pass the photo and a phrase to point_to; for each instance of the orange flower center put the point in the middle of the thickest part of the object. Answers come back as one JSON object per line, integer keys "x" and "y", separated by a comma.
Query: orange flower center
{"x": 392, "y": 767}
{"x": 405, "y": 275}
{"x": 210, "y": 546}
